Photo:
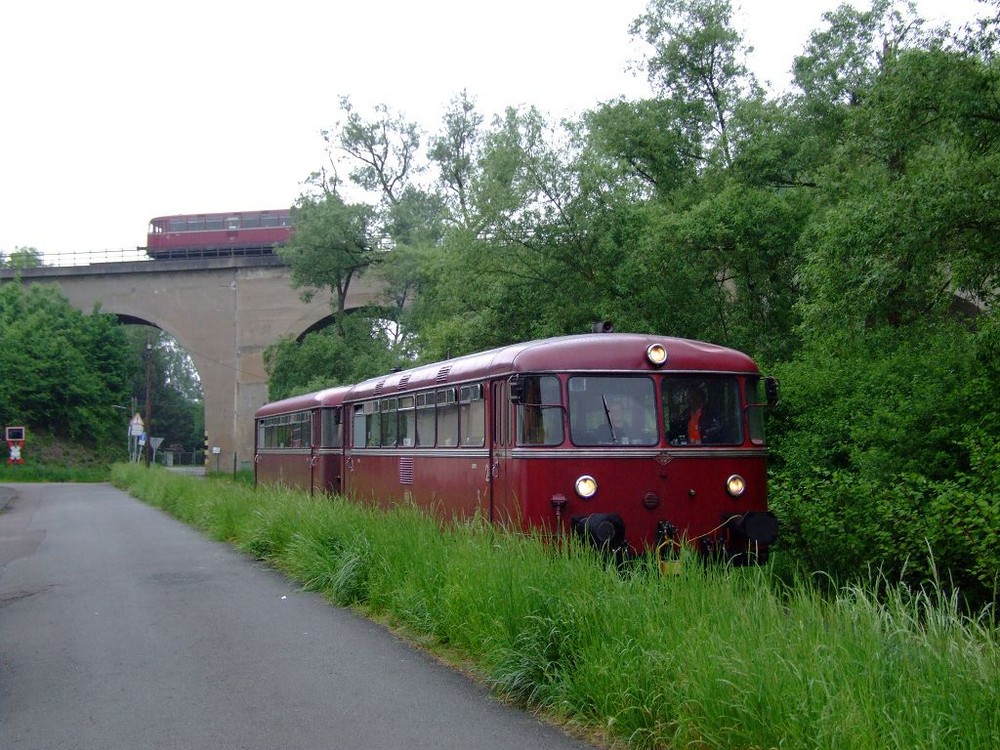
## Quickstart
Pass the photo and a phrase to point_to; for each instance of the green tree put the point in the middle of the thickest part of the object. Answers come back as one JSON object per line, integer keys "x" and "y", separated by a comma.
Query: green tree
{"x": 177, "y": 402}
{"x": 329, "y": 357}
{"x": 64, "y": 371}
{"x": 22, "y": 257}
{"x": 455, "y": 151}
{"x": 383, "y": 149}
{"x": 331, "y": 246}
{"x": 697, "y": 65}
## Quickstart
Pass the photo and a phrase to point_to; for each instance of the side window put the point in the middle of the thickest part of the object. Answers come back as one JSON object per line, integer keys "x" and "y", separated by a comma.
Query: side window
{"x": 755, "y": 413}
{"x": 425, "y": 419}
{"x": 387, "y": 408}
{"x": 472, "y": 415}
{"x": 407, "y": 422}
{"x": 540, "y": 413}
{"x": 332, "y": 428}
{"x": 447, "y": 417}
{"x": 373, "y": 432}
{"x": 358, "y": 431}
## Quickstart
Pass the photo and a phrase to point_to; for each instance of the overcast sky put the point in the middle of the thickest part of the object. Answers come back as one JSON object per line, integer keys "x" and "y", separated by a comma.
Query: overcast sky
{"x": 115, "y": 111}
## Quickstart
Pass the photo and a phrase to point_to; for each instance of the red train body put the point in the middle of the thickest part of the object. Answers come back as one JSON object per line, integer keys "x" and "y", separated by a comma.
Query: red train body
{"x": 633, "y": 442}
{"x": 218, "y": 234}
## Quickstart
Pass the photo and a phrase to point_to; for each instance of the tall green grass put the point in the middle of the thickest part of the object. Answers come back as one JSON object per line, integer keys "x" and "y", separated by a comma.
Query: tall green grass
{"x": 33, "y": 472}
{"x": 710, "y": 658}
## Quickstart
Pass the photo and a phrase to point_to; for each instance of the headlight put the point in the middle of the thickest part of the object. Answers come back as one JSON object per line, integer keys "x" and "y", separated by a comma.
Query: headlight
{"x": 586, "y": 486}
{"x": 656, "y": 354}
{"x": 736, "y": 485}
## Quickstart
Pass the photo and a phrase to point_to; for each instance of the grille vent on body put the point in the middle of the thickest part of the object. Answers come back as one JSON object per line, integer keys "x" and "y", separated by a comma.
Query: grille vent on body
{"x": 406, "y": 470}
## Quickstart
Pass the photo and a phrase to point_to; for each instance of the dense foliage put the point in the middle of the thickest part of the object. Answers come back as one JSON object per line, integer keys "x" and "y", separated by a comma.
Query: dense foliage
{"x": 844, "y": 233}
{"x": 60, "y": 370}
{"x": 76, "y": 379}
{"x": 176, "y": 399}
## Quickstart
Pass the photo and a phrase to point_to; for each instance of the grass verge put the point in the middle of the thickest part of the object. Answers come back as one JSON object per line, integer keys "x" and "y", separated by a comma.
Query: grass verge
{"x": 49, "y": 473}
{"x": 710, "y": 658}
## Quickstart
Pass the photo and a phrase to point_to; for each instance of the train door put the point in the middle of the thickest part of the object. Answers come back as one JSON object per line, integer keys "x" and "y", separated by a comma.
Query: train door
{"x": 500, "y": 453}
{"x": 232, "y": 229}
{"x": 315, "y": 440}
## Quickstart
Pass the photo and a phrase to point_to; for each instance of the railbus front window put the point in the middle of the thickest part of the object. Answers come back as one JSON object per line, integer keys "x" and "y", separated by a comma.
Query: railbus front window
{"x": 702, "y": 410}
{"x": 612, "y": 410}
{"x": 540, "y": 413}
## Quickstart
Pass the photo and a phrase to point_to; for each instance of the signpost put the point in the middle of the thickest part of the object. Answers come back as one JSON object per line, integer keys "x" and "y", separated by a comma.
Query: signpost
{"x": 136, "y": 437}
{"x": 15, "y": 444}
{"x": 155, "y": 443}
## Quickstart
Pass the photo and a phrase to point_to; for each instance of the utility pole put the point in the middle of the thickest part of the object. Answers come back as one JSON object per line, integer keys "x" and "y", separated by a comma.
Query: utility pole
{"x": 149, "y": 395}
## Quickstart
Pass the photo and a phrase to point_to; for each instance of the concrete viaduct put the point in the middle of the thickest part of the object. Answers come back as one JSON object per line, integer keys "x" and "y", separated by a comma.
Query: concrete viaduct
{"x": 223, "y": 311}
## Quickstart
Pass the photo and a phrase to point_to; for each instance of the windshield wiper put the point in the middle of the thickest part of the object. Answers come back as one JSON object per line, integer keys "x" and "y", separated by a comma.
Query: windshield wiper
{"x": 607, "y": 416}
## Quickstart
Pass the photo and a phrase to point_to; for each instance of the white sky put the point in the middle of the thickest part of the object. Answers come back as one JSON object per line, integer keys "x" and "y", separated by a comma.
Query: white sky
{"x": 115, "y": 111}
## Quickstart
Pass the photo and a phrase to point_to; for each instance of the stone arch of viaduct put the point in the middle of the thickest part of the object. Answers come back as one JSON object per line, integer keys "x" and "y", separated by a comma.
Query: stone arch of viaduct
{"x": 224, "y": 312}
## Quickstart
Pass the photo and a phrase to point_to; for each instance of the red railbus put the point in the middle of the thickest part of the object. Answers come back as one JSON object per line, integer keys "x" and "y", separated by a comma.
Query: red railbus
{"x": 218, "y": 234}
{"x": 633, "y": 442}
{"x": 300, "y": 441}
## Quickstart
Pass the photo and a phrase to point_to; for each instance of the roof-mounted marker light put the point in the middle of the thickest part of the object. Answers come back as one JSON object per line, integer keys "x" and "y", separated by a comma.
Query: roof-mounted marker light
{"x": 656, "y": 354}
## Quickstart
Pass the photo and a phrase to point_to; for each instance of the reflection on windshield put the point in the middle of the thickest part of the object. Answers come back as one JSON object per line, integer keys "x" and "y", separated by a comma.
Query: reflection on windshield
{"x": 702, "y": 410}
{"x": 605, "y": 410}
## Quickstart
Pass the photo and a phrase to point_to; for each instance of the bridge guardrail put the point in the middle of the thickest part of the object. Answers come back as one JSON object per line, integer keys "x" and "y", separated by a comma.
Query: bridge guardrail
{"x": 73, "y": 258}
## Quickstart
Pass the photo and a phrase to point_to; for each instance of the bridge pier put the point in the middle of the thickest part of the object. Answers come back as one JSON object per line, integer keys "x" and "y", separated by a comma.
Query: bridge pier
{"x": 223, "y": 311}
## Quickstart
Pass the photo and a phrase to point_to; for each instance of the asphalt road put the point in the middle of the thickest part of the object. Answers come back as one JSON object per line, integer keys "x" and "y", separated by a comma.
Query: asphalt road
{"x": 123, "y": 628}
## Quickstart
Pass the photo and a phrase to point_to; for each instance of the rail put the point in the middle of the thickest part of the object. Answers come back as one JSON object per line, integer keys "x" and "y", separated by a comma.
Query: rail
{"x": 73, "y": 258}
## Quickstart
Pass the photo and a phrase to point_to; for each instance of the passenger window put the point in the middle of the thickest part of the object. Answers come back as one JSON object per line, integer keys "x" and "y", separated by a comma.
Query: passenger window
{"x": 373, "y": 433}
{"x": 332, "y": 428}
{"x": 425, "y": 419}
{"x": 407, "y": 422}
{"x": 472, "y": 416}
{"x": 447, "y": 417}
{"x": 358, "y": 438}
{"x": 388, "y": 422}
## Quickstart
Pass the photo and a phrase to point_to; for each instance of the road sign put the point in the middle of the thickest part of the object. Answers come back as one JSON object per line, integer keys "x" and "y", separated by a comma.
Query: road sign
{"x": 136, "y": 426}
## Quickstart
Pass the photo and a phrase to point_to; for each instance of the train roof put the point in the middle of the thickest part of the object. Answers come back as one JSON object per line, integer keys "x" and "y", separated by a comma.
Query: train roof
{"x": 221, "y": 213}
{"x": 593, "y": 352}
{"x": 599, "y": 352}
{"x": 327, "y": 397}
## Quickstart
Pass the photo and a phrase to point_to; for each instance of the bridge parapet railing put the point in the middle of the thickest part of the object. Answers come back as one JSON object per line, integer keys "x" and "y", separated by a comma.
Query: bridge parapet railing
{"x": 75, "y": 258}
{"x": 65, "y": 259}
